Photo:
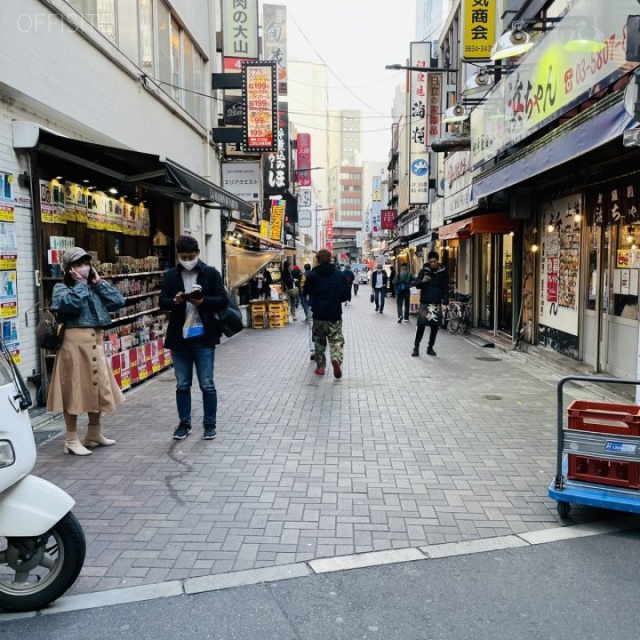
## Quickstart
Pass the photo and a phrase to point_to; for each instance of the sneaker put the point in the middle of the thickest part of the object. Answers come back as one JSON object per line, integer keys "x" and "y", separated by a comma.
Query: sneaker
{"x": 182, "y": 431}
{"x": 376, "y": 309}
{"x": 337, "y": 368}
{"x": 319, "y": 371}
{"x": 399, "y": 319}
{"x": 406, "y": 319}
{"x": 312, "y": 356}
{"x": 209, "y": 432}
{"x": 430, "y": 351}
{"x": 381, "y": 311}
{"x": 415, "y": 353}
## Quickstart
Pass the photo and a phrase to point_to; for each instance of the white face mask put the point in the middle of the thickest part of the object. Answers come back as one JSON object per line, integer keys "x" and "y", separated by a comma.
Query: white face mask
{"x": 83, "y": 271}
{"x": 189, "y": 264}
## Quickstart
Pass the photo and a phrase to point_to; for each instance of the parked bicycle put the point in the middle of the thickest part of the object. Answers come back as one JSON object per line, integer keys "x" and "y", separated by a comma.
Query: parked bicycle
{"x": 459, "y": 316}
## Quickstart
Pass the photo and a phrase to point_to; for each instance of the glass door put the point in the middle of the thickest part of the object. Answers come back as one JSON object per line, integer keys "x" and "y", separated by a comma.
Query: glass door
{"x": 505, "y": 286}
{"x": 486, "y": 282}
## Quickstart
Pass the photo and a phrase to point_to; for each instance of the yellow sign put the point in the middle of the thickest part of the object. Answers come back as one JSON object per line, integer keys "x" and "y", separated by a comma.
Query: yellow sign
{"x": 277, "y": 218}
{"x": 479, "y": 29}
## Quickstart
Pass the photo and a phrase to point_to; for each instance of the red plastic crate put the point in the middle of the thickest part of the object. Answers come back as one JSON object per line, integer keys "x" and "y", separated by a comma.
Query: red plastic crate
{"x": 601, "y": 471}
{"x": 604, "y": 417}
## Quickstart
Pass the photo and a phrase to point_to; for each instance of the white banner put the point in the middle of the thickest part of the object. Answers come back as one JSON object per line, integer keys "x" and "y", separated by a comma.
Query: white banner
{"x": 243, "y": 179}
{"x": 418, "y": 153}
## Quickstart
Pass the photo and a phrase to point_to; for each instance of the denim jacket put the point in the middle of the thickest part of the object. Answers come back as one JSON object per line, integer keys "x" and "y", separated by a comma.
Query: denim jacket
{"x": 85, "y": 306}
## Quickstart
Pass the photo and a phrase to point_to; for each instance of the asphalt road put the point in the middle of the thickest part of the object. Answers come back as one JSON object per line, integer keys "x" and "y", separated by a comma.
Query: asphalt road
{"x": 584, "y": 588}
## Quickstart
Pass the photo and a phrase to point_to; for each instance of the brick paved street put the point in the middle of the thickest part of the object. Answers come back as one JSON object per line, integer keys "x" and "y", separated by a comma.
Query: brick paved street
{"x": 401, "y": 452}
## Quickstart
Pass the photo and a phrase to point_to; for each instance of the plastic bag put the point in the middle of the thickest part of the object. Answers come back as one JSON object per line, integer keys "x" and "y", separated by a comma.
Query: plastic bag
{"x": 192, "y": 327}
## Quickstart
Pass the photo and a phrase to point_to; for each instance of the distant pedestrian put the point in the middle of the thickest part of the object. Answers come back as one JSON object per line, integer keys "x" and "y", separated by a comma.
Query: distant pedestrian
{"x": 433, "y": 283}
{"x": 392, "y": 277}
{"x": 296, "y": 273}
{"x": 327, "y": 289}
{"x": 379, "y": 281}
{"x": 304, "y": 299}
{"x": 289, "y": 288}
{"x": 402, "y": 284}
{"x": 349, "y": 278}
{"x": 193, "y": 291}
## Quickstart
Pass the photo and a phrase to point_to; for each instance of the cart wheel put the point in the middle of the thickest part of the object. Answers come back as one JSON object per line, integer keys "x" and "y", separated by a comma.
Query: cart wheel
{"x": 564, "y": 509}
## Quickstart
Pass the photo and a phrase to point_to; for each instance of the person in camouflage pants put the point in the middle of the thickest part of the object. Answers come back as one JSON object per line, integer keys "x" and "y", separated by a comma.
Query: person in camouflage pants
{"x": 327, "y": 289}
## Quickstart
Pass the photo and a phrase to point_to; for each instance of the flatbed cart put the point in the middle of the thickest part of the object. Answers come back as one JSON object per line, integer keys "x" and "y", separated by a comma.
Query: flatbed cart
{"x": 604, "y": 446}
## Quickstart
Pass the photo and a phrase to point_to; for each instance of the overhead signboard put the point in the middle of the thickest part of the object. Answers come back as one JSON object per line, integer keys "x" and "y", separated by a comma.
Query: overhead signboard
{"x": 274, "y": 37}
{"x": 303, "y": 152}
{"x": 240, "y": 29}
{"x": 478, "y": 28}
{"x": 304, "y": 218}
{"x": 261, "y": 100}
{"x": 418, "y": 169}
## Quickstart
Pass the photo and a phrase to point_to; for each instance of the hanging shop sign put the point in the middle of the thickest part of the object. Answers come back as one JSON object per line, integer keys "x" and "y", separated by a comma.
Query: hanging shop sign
{"x": 303, "y": 159}
{"x": 304, "y": 197}
{"x": 435, "y": 82}
{"x": 240, "y": 28}
{"x": 418, "y": 158}
{"x": 389, "y": 218}
{"x": 553, "y": 77}
{"x": 243, "y": 179}
{"x": 277, "y": 219}
{"x": 274, "y": 41}
{"x": 260, "y": 98}
{"x": 376, "y": 206}
{"x": 276, "y": 165}
{"x": 478, "y": 28}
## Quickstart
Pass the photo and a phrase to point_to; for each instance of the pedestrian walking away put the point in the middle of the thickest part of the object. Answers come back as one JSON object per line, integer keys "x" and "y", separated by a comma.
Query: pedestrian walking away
{"x": 82, "y": 381}
{"x": 392, "y": 277}
{"x": 379, "y": 280}
{"x": 349, "y": 277}
{"x": 402, "y": 284}
{"x": 327, "y": 290}
{"x": 289, "y": 287}
{"x": 193, "y": 291}
{"x": 433, "y": 282}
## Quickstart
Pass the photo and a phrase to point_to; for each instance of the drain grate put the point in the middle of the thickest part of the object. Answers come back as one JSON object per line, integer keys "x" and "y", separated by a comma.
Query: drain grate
{"x": 43, "y": 436}
{"x": 492, "y": 397}
{"x": 489, "y": 359}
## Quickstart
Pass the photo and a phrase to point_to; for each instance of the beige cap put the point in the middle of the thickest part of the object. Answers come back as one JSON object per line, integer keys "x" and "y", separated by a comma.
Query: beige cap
{"x": 73, "y": 255}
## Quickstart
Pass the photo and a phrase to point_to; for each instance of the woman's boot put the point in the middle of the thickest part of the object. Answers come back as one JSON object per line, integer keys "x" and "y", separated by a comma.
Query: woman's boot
{"x": 95, "y": 438}
{"x": 73, "y": 445}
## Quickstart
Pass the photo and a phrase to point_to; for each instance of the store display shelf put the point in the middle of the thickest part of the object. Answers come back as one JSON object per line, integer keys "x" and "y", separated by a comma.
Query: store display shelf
{"x": 134, "y": 315}
{"x": 148, "y": 294}
{"x": 133, "y": 275}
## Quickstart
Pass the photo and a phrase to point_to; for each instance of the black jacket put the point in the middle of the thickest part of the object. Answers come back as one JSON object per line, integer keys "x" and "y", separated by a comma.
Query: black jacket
{"x": 214, "y": 299}
{"x": 327, "y": 289}
{"x": 433, "y": 285}
{"x": 385, "y": 278}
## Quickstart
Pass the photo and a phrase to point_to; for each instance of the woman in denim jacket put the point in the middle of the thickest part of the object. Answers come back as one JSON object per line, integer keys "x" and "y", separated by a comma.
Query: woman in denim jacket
{"x": 82, "y": 380}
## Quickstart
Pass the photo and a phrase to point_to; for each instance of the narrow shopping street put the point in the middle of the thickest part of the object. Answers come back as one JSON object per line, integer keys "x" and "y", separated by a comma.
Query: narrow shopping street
{"x": 401, "y": 452}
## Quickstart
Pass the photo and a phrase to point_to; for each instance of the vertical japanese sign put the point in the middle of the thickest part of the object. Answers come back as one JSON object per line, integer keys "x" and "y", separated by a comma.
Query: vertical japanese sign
{"x": 478, "y": 29}
{"x": 276, "y": 165}
{"x": 274, "y": 36}
{"x": 434, "y": 107}
{"x": 304, "y": 159}
{"x": 376, "y": 206}
{"x": 418, "y": 152}
{"x": 389, "y": 217}
{"x": 240, "y": 29}
{"x": 260, "y": 98}
{"x": 329, "y": 243}
{"x": 277, "y": 218}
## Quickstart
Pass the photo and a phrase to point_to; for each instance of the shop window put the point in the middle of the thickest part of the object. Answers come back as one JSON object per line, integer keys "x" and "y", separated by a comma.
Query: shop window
{"x": 128, "y": 31}
{"x": 626, "y": 271}
{"x": 176, "y": 63}
{"x": 164, "y": 43}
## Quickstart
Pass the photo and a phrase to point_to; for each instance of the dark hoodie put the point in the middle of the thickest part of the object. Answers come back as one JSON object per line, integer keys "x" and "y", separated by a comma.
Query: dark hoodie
{"x": 327, "y": 289}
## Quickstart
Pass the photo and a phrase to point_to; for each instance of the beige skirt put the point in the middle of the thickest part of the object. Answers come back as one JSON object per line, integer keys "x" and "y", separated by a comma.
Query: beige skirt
{"x": 82, "y": 380}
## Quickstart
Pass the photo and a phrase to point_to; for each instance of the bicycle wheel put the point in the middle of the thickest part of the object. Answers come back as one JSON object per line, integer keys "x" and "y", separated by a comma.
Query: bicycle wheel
{"x": 454, "y": 319}
{"x": 465, "y": 321}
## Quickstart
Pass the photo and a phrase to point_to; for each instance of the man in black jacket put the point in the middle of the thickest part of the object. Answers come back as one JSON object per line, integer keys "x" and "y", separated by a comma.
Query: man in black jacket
{"x": 327, "y": 289}
{"x": 433, "y": 282}
{"x": 192, "y": 291}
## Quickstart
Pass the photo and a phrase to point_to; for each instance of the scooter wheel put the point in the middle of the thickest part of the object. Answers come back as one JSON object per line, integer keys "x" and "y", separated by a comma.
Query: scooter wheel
{"x": 50, "y": 571}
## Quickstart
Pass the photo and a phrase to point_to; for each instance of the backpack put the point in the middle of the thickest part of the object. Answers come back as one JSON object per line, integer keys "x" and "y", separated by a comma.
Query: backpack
{"x": 50, "y": 330}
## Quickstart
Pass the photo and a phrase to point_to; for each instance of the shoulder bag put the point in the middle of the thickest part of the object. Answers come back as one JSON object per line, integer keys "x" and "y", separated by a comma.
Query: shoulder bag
{"x": 50, "y": 330}
{"x": 230, "y": 318}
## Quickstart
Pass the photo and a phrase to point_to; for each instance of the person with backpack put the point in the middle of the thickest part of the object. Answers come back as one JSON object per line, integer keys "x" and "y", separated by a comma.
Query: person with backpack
{"x": 402, "y": 284}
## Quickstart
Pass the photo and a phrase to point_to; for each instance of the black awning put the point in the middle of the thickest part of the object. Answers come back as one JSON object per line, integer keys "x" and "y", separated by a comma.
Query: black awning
{"x": 149, "y": 171}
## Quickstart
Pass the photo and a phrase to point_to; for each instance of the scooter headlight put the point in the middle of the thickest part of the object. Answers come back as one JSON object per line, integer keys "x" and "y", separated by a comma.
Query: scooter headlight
{"x": 7, "y": 454}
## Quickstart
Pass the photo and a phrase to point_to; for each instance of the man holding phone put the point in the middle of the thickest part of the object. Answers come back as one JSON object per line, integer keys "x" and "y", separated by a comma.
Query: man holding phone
{"x": 193, "y": 291}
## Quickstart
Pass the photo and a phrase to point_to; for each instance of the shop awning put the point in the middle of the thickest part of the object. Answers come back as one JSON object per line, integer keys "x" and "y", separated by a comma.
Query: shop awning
{"x": 489, "y": 223}
{"x": 152, "y": 172}
{"x": 255, "y": 234}
{"x": 591, "y": 129}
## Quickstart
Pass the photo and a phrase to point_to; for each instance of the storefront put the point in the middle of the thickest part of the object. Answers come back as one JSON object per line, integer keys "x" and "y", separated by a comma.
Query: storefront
{"x": 125, "y": 209}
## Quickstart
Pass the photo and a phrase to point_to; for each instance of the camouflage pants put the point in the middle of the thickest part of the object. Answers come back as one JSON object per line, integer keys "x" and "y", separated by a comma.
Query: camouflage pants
{"x": 328, "y": 331}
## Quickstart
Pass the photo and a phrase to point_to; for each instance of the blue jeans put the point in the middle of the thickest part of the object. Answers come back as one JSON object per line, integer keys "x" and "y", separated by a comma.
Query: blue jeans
{"x": 380, "y": 294}
{"x": 203, "y": 358}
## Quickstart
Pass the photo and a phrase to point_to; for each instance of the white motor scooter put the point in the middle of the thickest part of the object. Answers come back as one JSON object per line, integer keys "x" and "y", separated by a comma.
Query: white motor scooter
{"x": 42, "y": 545}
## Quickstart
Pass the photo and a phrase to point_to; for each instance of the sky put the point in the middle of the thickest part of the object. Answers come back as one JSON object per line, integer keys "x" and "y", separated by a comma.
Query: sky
{"x": 356, "y": 39}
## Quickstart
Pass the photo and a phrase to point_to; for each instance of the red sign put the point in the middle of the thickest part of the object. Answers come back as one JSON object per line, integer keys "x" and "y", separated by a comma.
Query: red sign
{"x": 304, "y": 159}
{"x": 233, "y": 65}
{"x": 389, "y": 218}
{"x": 329, "y": 245}
{"x": 330, "y": 229}
{"x": 553, "y": 264}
